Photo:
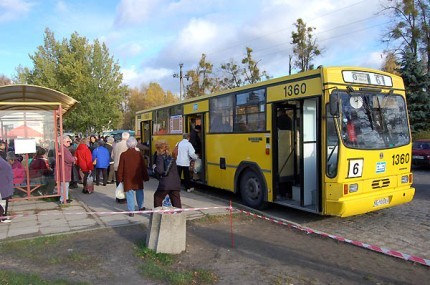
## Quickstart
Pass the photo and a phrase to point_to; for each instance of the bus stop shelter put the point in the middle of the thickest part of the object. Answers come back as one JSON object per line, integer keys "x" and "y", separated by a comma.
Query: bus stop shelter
{"x": 31, "y": 125}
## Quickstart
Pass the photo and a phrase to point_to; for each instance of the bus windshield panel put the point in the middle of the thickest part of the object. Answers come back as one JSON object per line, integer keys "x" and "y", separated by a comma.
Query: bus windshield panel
{"x": 371, "y": 120}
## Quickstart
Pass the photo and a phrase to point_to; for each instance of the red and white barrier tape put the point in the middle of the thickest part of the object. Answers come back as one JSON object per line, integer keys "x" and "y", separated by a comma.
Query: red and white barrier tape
{"x": 308, "y": 230}
{"x": 382, "y": 250}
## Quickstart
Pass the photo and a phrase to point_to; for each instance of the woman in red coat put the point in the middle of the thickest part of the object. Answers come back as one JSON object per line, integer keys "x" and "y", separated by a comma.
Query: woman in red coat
{"x": 84, "y": 160}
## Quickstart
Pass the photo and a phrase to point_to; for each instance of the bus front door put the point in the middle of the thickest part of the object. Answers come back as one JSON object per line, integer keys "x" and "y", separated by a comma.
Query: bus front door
{"x": 296, "y": 155}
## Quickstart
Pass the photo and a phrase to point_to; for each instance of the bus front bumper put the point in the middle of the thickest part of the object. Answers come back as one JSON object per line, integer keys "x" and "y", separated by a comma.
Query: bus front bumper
{"x": 369, "y": 202}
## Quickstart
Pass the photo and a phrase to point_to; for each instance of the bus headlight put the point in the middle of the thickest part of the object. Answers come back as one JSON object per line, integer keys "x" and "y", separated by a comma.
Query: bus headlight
{"x": 353, "y": 188}
{"x": 405, "y": 179}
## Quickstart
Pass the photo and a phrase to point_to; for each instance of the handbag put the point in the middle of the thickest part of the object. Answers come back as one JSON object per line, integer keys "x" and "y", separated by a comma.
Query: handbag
{"x": 119, "y": 192}
{"x": 90, "y": 183}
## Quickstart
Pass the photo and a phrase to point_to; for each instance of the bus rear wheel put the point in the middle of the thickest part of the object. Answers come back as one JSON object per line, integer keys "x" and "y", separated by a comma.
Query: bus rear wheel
{"x": 252, "y": 190}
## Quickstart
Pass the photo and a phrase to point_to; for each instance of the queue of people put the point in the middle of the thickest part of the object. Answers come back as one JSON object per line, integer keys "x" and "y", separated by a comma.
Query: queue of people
{"x": 121, "y": 162}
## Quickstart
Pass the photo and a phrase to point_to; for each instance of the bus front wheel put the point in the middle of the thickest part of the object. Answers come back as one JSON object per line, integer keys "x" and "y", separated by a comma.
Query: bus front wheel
{"x": 252, "y": 190}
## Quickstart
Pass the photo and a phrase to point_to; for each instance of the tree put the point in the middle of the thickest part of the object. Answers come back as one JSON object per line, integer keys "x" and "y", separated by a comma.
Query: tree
{"x": 251, "y": 71}
{"x": 235, "y": 75}
{"x": 147, "y": 96}
{"x": 410, "y": 32}
{"x": 201, "y": 81}
{"x": 232, "y": 76}
{"x": 85, "y": 72}
{"x": 4, "y": 80}
{"x": 417, "y": 84}
{"x": 305, "y": 48}
{"x": 391, "y": 64}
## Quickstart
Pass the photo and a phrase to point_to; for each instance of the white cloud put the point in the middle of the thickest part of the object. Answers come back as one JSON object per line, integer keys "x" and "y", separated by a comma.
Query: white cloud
{"x": 134, "y": 11}
{"x": 14, "y": 9}
{"x": 134, "y": 77}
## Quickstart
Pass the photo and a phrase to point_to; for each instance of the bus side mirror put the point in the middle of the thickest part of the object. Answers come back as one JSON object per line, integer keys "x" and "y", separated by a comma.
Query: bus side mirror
{"x": 334, "y": 105}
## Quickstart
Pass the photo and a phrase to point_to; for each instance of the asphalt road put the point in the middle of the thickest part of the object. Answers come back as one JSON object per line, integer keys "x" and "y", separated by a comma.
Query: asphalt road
{"x": 405, "y": 228}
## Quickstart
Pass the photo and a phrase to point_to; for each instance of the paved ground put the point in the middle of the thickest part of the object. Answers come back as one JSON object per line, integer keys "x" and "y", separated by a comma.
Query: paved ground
{"x": 38, "y": 217}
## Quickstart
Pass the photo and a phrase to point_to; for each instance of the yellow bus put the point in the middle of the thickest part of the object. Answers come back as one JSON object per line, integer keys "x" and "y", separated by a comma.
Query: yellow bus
{"x": 333, "y": 141}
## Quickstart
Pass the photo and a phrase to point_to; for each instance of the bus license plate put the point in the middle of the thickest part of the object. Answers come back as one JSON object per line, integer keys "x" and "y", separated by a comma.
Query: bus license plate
{"x": 417, "y": 157}
{"x": 380, "y": 202}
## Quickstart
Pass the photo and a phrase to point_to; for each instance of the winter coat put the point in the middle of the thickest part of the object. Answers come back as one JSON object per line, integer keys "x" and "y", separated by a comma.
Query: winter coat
{"x": 101, "y": 155}
{"x": 118, "y": 149}
{"x": 172, "y": 180}
{"x": 39, "y": 167}
{"x": 6, "y": 178}
{"x": 132, "y": 170}
{"x": 18, "y": 172}
{"x": 84, "y": 158}
{"x": 69, "y": 160}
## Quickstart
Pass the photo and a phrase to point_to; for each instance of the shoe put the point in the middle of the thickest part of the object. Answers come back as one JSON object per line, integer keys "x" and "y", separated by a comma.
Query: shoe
{"x": 104, "y": 184}
{"x": 84, "y": 191}
{"x": 190, "y": 190}
{"x": 69, "y": 200}
{"x": 97, "y": 184}
{"x": 5, "y": 221}
{"x": 123, "y": 202}
{"x": 73, "y": 186}
{"x": 131, "y": 214}
{"x": 142, "y": 209}
{"x": 60, "y": 203}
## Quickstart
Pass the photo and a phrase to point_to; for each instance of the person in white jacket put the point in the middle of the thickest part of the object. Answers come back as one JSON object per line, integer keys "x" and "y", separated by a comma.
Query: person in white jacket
{"x": 186, "y": 152}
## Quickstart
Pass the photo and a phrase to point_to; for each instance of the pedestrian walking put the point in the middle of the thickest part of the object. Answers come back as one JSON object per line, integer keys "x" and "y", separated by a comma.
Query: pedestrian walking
{"x": 132, "y": 172}
{"x": 169, "y": 183}
{"x": 186, "y": 152}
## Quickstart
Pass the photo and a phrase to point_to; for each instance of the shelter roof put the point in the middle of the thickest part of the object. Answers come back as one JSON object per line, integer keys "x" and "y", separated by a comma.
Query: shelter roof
{"x": 32, "y": 97}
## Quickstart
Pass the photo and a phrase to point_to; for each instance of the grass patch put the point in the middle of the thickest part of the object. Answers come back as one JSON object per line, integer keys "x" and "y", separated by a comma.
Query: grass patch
{"x": 44, "y": 251}
{"x": 159, "y": 266}
{"x": 16, "y": 278}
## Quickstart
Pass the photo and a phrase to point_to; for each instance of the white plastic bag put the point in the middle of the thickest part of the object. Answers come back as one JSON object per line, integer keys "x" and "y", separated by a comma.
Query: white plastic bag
{"x": 119, "y": 192}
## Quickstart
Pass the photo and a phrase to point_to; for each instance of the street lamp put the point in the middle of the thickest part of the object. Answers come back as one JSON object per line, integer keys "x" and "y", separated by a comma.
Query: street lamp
{"x": 181, "y": 77}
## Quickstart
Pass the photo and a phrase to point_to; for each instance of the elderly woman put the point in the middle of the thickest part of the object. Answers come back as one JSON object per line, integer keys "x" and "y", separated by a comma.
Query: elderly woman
{"x": 132, "y": 172}
{"x": 170, "y": 183}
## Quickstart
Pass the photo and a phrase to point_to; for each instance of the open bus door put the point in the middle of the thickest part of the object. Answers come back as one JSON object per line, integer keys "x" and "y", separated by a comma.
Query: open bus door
{"x": 195, "y": 127}
{"x": 296, "y": 154}
{"x": 146, "y": 139}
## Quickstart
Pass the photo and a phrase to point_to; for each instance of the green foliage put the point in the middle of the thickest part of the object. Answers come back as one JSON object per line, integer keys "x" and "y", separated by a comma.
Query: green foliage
{"x": 201, "y": 80}
{"x": 147, "y": 96}
{"x": 205, "y": 81}
{"x": 305, "y": 48}
{"x": 417, "y": 84}
{"x": 410, "y": 31}
{"x": 83, "y": 71}
{"x": 17, "y": 278}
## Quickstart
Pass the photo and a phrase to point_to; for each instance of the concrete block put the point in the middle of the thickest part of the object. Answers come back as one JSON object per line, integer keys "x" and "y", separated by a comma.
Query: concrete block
{"x": 167, "y": 232}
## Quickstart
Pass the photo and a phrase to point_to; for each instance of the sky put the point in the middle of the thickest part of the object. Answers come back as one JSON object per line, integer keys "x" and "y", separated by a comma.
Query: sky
{"x": 150, "y": 38}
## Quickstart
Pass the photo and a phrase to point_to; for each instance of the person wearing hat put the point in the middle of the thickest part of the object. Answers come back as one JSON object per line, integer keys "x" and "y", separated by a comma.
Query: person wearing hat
{"x": 101, "y": 158}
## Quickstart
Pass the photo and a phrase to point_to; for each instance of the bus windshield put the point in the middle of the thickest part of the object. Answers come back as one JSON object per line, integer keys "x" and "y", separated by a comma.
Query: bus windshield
{"x": 371, "y": 120}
